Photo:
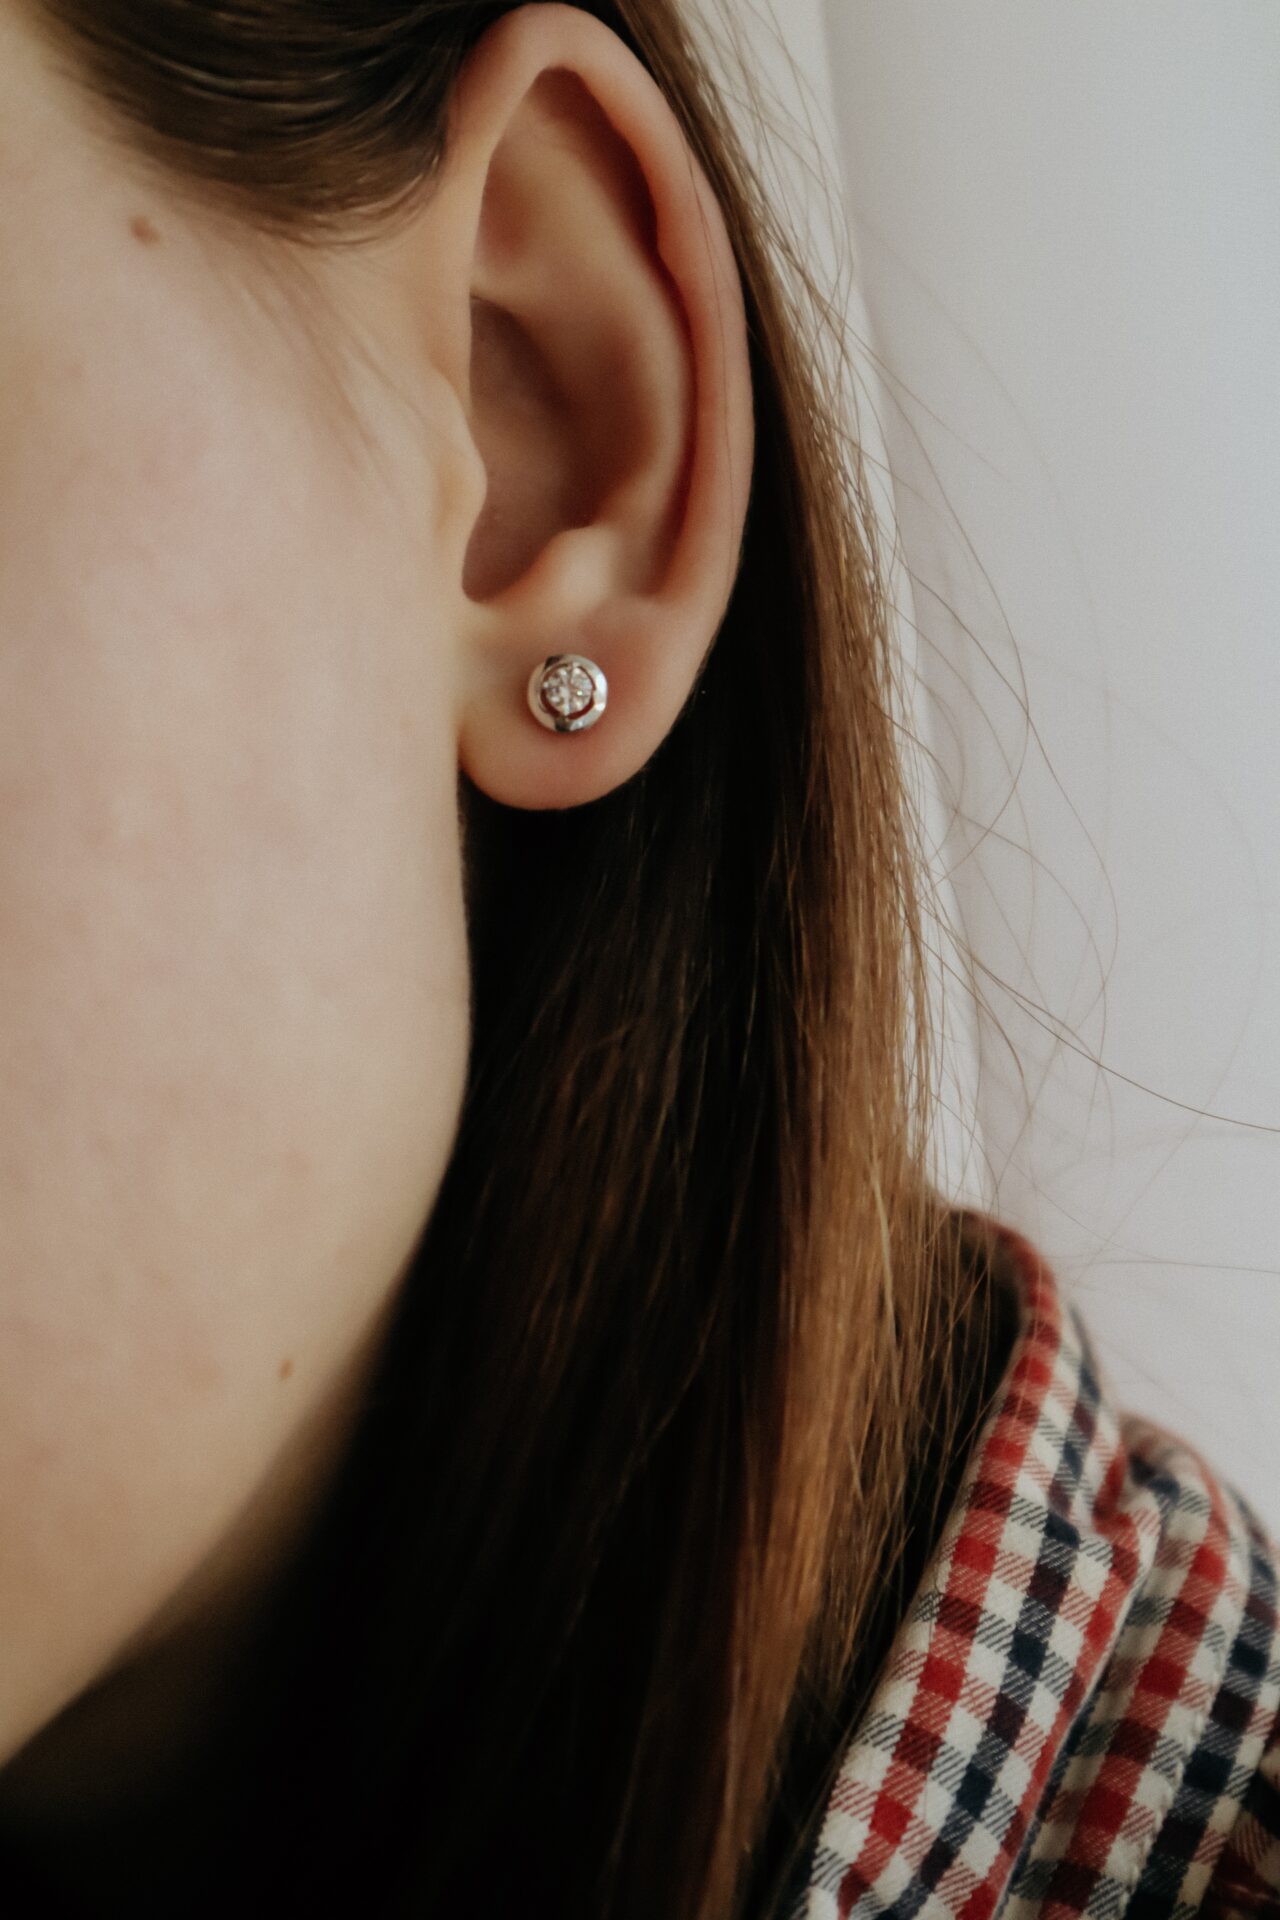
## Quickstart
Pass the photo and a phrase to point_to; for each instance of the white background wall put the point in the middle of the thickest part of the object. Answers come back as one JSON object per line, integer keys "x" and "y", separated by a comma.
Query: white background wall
{"x": 1063, "y": 229}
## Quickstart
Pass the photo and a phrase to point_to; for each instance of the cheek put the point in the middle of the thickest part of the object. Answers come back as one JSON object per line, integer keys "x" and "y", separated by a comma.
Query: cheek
{"x": 233, "y": 1018}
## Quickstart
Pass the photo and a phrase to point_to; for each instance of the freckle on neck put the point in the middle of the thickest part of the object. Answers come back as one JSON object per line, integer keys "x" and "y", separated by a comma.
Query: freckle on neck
{"x": 285, "y": 1369}
{"x": 144, "y": 231}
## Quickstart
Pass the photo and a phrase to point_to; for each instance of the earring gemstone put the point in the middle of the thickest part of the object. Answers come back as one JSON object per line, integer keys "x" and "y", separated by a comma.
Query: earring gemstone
{"x": 567, "y": 692}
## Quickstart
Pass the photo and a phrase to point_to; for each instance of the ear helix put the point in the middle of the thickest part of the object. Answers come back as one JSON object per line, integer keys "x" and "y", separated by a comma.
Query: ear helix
{"x": 567, "y": 692}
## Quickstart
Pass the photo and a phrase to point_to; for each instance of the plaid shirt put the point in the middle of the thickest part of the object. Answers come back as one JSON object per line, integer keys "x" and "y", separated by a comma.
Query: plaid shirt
{"x": 1080, "y": 1714}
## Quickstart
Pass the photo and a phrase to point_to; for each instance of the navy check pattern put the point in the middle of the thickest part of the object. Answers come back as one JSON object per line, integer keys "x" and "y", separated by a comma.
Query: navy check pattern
{"x": 1080, "y": 1714}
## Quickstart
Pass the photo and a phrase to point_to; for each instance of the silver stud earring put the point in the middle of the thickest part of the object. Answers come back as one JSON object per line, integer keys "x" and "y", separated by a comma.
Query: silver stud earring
{"x": 567, "y": 692}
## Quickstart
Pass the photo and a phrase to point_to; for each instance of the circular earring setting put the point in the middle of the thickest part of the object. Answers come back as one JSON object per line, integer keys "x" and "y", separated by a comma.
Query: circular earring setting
{"x": 567, "y": 692}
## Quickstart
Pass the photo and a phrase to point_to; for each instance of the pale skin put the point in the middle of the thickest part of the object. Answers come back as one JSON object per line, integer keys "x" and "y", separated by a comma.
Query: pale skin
{"x": 282, "y": 534}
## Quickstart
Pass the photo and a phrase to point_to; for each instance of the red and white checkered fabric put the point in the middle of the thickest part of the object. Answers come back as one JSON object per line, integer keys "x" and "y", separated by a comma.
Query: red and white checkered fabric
{"x": 1080, "y": 1714}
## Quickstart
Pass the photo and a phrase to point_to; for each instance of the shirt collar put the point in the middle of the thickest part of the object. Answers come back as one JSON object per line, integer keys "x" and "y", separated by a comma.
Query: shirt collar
{"x": 1056, "y": 1528}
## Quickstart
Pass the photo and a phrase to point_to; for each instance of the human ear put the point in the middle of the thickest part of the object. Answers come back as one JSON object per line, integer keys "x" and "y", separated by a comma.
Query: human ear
{"x": 586, "y": 305}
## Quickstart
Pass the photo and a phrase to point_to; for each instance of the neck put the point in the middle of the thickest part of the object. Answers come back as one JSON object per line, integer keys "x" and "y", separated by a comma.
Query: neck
{"x": 111, "y": 1805}
{"x": 107, "y": 1808}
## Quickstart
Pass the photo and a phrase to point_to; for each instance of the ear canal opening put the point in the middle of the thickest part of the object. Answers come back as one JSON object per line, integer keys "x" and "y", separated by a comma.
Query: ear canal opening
{"x": 523, "y": 426}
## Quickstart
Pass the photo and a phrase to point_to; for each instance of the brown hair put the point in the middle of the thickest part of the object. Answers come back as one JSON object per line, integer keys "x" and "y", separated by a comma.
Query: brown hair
{"x": 661, "y": 1437}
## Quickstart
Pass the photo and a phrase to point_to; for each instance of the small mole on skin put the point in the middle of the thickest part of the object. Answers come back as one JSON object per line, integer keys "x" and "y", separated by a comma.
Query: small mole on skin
{"x": 144, "y": 230}
{"x": 286, "y": 1368}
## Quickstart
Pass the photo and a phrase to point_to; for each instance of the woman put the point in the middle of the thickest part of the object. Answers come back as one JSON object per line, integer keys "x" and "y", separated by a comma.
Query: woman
{"x": 495, "y": 1417}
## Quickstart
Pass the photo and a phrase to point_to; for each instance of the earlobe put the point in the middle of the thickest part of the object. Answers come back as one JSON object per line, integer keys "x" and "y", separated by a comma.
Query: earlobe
{"x": 608, "y": 396}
